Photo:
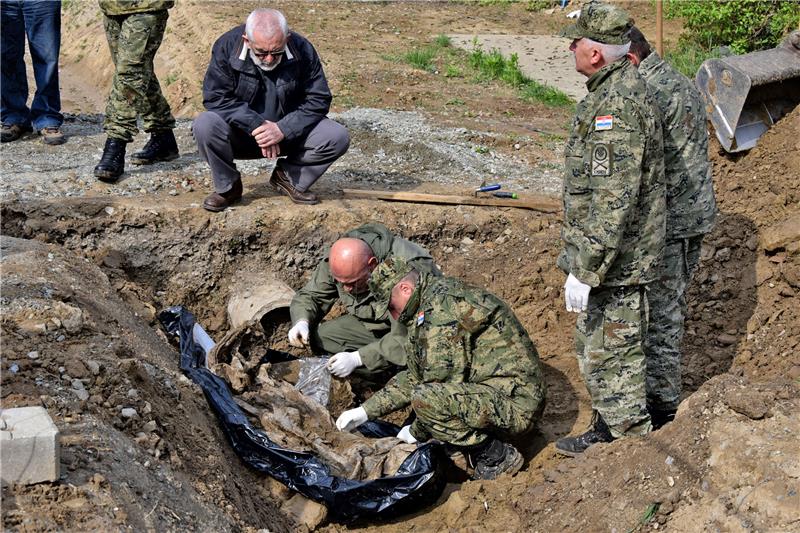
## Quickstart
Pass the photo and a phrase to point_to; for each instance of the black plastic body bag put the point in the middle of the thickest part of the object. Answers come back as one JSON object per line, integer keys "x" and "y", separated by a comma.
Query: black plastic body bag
{"x": 419, "y": 480}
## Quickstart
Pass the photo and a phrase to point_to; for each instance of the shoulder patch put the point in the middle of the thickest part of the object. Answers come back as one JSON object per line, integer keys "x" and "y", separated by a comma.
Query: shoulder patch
{"x": 601, "y": 160}
{"x": 606, "y": 122}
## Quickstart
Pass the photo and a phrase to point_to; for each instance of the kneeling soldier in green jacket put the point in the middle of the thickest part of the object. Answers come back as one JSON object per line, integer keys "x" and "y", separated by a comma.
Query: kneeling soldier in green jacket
{"x": 364, "y": 339}
{"x": 473, "y": 377}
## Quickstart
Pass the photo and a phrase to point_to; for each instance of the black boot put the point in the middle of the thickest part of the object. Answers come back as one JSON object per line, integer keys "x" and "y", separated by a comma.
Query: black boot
{"x": 112, "y": 164}
{"x": 493, "y": 457}
{"x": 661, "y": 417}
{"x": 160, "y": 147}
{"x": 574, "y": 446}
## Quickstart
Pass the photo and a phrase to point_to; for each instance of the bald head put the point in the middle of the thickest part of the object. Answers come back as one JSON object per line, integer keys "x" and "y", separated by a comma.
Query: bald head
{"x": 351, "y": 261}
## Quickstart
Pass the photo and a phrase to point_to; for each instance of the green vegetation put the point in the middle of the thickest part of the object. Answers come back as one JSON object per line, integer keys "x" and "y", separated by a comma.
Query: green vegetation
{"x": 170, "y": 79}
{"x": 742, "y": 25}
{"x": 422, "y": 58}
{"x": 687, "y": 58}
{"x": 441, "y": 57}
{"x": 492, "y": 65}
{"x": 530, "y": 5}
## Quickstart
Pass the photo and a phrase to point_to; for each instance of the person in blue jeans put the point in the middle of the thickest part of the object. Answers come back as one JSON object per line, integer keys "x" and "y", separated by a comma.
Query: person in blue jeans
{"x": 40, "y": 20}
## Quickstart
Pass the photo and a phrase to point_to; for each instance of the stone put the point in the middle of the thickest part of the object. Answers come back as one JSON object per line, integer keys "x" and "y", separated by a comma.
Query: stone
{"x": 33, "y": 355}
{"x": 93, "y": 367}
{"x": 128, "y": 412}
{"x": 30, "y": 451}
{"x": 785, "y": 235}
{"x": 304, "y": 511}
{"x": 75, "y": 368}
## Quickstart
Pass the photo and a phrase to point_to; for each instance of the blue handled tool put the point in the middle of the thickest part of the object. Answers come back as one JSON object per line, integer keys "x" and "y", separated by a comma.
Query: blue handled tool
{"x": 488, "y": 188}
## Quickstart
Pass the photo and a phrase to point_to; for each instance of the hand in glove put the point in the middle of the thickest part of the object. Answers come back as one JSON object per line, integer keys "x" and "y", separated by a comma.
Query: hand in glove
{"x": 343, "y": 363}
{"x": 405, "y": 434}
{"x": 298, "y": 335}
{"x": 576, "y": 294}
{"x": 349, "y": 420}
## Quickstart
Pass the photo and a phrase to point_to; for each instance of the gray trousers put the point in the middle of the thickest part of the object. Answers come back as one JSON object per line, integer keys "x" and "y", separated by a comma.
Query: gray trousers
{"x": 304, "y": 160}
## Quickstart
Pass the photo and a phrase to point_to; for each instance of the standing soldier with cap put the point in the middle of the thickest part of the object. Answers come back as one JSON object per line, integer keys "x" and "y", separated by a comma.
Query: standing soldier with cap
{"x": 691, "y": 213}
{"x": 613, "y": 231}
{"x": 134, "y": 31}
{"x": 473, "y": 377}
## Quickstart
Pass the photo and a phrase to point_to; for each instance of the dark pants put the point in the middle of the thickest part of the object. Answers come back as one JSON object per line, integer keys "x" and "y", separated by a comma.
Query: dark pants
{"x": 40, "y": 20}
{"x": 304, "y": 160}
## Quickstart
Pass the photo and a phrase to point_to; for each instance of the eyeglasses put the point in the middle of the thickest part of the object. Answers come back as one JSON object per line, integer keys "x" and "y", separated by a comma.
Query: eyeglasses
{"x": 274, "y": 53}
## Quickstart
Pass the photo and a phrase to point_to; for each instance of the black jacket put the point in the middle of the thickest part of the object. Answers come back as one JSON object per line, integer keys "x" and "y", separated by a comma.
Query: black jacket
{"x": 236, "y": 89}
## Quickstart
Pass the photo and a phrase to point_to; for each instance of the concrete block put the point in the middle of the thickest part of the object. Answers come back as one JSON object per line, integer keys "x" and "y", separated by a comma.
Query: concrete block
{"x": 29, "y": 446}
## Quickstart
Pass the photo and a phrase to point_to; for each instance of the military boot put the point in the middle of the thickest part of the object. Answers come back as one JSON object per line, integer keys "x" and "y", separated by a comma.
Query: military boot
{"x": 661, "y": 417}
{"x": 492, "y": 458}
{"x": 574, "y": 446}
{"x": 161, "y": 147}
{"x": 112, "y": 164}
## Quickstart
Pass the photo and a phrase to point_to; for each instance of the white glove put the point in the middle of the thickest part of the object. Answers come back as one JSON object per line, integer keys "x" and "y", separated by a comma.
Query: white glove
{"x": 342, "y": 364}
{"x": 349, "y": 420}
{"x": 574, "y": 14}
{"x": 298, "y": 335}
{"x": 576, "y": 294}
{"x": 405, "y": 434}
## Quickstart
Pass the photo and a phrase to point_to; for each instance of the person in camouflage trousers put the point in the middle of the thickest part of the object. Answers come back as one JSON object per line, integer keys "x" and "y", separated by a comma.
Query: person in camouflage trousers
{"x": 363, "y": 340}
{"x": 473, "y": 377}
{"x": 691, "y": 213}
{"x": 614, "y": 224}
{"x": 134, "y": 30}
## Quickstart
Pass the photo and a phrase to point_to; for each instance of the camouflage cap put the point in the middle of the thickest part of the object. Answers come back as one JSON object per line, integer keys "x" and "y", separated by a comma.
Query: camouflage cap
{"x": 385, "y": 277}
{"x": 603, "y": 23}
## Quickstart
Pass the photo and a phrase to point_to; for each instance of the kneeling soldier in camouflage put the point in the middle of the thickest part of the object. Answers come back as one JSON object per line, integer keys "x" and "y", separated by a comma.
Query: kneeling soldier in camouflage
{"x": 473, "y": 374}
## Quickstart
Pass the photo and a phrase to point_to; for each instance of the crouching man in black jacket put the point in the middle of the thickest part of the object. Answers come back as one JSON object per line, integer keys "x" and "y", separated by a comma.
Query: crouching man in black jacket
{"x": 266, "y": 96}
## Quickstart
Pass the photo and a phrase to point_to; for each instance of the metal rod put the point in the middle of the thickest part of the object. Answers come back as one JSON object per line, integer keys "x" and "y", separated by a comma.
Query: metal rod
{"x": 660, "y": 27}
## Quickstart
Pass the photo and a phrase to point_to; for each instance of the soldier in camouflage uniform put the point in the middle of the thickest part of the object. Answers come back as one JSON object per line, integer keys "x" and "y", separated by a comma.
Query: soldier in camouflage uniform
{"x": 691, "y": 213}
{"x": 360, "y": 339}
{"x": 473, "y": 374}
{"x": 614, "y": 219}
{"x": 134, "y": 29}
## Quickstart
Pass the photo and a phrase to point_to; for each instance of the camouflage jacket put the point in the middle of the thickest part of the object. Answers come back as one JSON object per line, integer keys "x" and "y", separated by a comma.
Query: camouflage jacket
{"x": 126, "y": 7}
{"x": 691, "y": 207}
{"x": 614, "y": 198}
{"x": 462, "y": 334}
{"x": 322, "y": 291}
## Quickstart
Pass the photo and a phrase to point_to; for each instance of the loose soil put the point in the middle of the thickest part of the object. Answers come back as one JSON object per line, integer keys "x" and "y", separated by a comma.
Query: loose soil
{"x": 86, "y": 267}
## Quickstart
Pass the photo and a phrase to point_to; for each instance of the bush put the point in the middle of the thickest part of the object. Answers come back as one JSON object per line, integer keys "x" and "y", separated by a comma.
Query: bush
{"x": 743, "y": 25}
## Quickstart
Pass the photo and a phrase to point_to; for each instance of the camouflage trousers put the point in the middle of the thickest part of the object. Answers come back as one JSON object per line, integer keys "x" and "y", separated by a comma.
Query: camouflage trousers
{"x": 608, "y": 338}
{"x": 662, "y": 344}
{"x": 135, "y": 92}
{"x": 465, "y": 414}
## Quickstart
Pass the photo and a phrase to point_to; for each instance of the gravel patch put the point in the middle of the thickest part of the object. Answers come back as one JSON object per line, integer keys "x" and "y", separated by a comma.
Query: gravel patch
{"x": 389, "y": 150}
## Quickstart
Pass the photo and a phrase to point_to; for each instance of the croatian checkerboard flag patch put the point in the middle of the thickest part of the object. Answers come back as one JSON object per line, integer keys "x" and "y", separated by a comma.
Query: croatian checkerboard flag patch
{"x": 606, "y": 122}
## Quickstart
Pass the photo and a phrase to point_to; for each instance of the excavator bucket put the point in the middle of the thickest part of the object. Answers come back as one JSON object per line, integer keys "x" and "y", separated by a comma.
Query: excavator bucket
{"x": 747, "y": 94}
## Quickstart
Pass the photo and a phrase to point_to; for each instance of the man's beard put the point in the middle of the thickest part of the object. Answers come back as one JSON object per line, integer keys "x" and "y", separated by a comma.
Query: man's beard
{"x": 263, "y": 66}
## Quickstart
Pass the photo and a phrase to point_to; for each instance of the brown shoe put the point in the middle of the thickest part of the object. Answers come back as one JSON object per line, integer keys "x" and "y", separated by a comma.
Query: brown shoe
{"x": 12, "y": 132}
{"x": 220, "y": 201}
{"x": 281, "y": 182}
{"x": 52, "y": 135}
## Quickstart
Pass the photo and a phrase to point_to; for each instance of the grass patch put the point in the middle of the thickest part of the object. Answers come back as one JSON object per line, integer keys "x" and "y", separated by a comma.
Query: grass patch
{"x": 442, "y": 58}
{"x": 492, "y": 65}
{"x": 421, "y": 58}
{"x": 686, "y": 58}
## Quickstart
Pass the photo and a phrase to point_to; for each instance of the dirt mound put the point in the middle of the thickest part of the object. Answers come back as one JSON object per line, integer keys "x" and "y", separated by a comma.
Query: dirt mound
{"x": 139, "y": 446}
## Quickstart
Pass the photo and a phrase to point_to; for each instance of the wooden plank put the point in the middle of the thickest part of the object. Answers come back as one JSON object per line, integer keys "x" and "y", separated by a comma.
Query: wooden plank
{"x": 542, "y": 204}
